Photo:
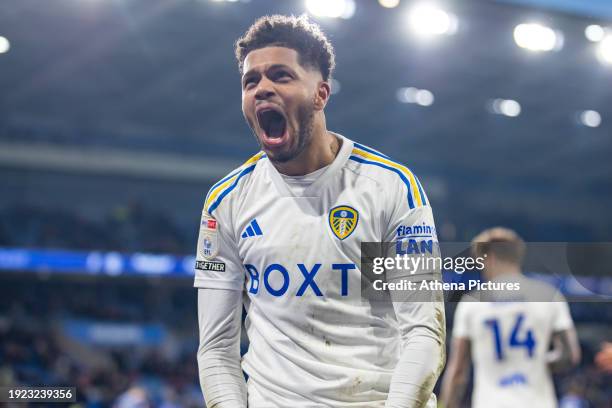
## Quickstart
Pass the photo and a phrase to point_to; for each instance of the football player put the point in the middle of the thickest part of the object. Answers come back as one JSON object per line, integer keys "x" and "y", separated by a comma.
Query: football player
{"x": 509, "y": 339}
{"x": 281, "y": 235}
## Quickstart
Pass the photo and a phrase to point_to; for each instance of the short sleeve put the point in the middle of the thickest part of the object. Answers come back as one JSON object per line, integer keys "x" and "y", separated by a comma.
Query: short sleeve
{"x": 461, "y": 327}
{"x": 409, "y": 215}
{"x": 217, "y": 265}
{"x": 411, "y": 223}
{"x": 411, "y": 231}
{"x": 562, "y": 319}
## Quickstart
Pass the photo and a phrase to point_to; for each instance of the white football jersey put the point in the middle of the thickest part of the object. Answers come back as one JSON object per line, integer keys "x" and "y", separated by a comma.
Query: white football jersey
{"x": 509, "y": 342}
{"x": 313, "y": 340}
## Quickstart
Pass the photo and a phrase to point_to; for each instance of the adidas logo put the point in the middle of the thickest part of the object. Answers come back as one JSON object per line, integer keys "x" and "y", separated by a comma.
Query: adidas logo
{"x": 252, "y": 230}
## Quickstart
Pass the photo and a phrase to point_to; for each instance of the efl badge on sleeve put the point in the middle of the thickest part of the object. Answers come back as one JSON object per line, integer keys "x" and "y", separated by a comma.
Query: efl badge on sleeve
{"x": 208, "y": 245}
{"x": 343, "y": 220}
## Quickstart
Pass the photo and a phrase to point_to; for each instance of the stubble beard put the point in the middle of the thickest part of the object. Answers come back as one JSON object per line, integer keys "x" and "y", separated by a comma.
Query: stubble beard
{"x": 305, "y": 119}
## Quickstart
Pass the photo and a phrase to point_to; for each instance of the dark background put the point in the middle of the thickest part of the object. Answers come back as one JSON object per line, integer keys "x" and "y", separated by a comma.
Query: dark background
{"x": 117, "y": 115}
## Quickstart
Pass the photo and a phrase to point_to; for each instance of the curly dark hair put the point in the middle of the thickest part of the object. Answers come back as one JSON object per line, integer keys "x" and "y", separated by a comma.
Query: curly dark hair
{"x": 298, "y": 33}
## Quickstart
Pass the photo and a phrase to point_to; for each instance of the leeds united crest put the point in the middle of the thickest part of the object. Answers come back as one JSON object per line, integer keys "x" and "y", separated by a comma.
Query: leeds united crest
{"x": 343, "y": 220}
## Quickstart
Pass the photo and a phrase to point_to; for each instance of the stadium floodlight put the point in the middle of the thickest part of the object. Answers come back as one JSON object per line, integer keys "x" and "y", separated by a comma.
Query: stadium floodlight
{"x": 506, "y": 107}
{"x": 5, "y": 45}
{"x": 331, "y": 8}
{"x": 510, "y": 107}
{"x": 422, "y": 97}
{"x": 537, "y": 37}
{"x": 426, "y": 19}
{"x": 389, "y": 3}
{"x": 594, "y": 33}
{"x": 407, "y": 95}
{"x": 590, "y": 118}
{"x": 604, "y": 50}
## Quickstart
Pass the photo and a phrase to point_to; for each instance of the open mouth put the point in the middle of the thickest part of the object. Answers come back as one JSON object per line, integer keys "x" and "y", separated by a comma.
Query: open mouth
{"x": 272, "y": 122}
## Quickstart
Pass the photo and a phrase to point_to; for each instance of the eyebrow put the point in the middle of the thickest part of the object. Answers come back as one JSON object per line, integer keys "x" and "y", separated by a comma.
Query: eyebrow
{"x": 252, "y": 72}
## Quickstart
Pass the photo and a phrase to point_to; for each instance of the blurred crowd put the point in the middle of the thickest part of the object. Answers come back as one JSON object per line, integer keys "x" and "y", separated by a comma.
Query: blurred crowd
{"x": 135, "y": 227}
{"x": 131, "y": 227}
{"x": 35, "y": 356}
{"x": 35, "y": 351}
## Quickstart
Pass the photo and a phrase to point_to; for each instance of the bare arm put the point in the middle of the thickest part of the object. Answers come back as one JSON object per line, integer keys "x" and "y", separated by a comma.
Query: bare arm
{"x": 457, "y": 370}
{"x": 566, "y": 351}
{"x": 221, "y": 378}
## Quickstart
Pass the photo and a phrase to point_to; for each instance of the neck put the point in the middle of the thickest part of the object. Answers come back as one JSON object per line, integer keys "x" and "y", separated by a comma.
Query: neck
{"x": 322, "y": 151}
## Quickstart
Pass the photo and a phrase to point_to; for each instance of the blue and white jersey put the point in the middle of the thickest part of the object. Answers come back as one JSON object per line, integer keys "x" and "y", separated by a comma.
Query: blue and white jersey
{"x": 509, "y": 342}
{"x": 313, "y": 340}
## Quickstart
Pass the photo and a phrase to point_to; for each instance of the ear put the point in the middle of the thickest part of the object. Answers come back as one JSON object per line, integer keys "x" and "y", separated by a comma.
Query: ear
{"x": 322, "y": 95}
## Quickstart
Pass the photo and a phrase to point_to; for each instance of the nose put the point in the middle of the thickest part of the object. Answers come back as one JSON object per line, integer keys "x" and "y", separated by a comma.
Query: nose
{"x": 264, "y": 89}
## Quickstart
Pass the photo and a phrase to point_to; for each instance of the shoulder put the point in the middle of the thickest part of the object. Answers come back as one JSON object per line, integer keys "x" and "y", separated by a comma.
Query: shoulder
{"x": 538, "y": 290}
{"x": 224, "y": 188}
{"x": 378, "y": 166}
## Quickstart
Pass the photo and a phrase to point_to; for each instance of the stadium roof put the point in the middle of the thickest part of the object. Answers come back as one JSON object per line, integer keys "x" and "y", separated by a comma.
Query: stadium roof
{"x": 158, "y": 76}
